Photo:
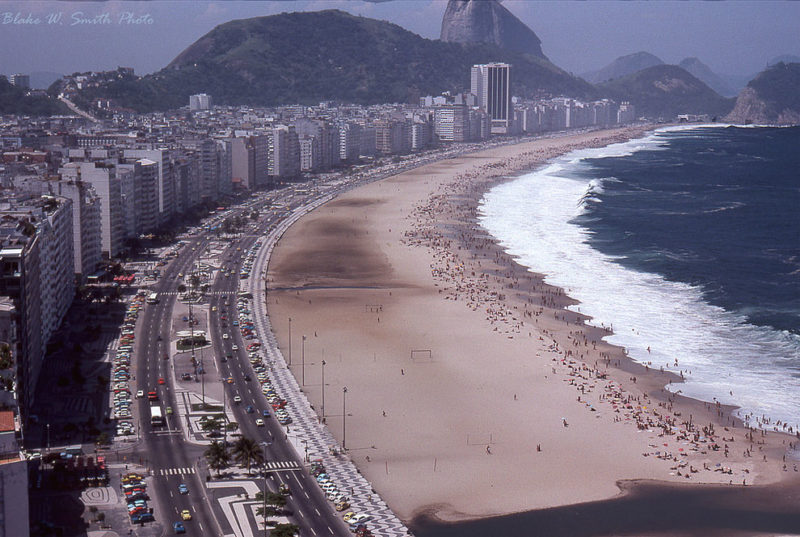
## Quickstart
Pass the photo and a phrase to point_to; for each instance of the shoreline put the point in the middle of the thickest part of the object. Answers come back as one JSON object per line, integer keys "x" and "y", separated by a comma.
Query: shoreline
{"x": 468, "y": 267}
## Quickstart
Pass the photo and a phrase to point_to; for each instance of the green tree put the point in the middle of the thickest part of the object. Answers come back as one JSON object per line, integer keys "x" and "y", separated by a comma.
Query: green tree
{"x": 211, "y": 425}
{"x": 217, "y": 457}
{"x": 247, "y": 451}
{"x": 284, "y": 530}
{"x": 271, "y": 511}
{"x": 273, "y": 498}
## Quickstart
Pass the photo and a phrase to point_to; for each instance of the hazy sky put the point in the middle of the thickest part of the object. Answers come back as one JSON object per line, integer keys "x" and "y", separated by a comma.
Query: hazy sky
{"x": 737, "y": 37}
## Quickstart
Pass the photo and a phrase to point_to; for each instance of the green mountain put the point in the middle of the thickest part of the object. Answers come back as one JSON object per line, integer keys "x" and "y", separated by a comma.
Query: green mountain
{"x": 664, "y": 91}
{"x": 325, "y": 55}
{"x": 772, "y": 97}
{"x": 13, "y": 100}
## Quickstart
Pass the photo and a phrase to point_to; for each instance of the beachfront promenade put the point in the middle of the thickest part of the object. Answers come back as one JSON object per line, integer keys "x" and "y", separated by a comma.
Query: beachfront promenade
{"x": 310, "y": 438}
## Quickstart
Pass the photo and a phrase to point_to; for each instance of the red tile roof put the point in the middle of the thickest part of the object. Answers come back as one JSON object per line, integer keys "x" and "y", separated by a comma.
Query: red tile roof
{"x": 6, "y": 421}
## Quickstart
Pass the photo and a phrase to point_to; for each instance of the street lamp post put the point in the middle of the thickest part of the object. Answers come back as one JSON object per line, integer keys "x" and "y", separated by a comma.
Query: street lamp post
{"x": 323, "y": 389}
{"x": 290, "y": 341}
{"x": 264, "y": 507}
{"x": 224, "y": 419}
{"x": 303, "y": 361}
{"x": 344, "y": 418}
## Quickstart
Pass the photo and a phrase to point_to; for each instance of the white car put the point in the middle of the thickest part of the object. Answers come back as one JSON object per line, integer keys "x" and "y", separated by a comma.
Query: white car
{"x": 235, "y": 347}
{"x": 140, "y": 394}
{"x": 237, "y": 399}
{"x": 259, "y": 422}
{"x": 225, "y": 336}
{"x": 360, "y": 518}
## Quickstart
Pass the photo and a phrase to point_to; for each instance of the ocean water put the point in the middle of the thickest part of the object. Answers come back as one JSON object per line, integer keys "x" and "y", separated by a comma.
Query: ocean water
{"x": 686, "y": 241}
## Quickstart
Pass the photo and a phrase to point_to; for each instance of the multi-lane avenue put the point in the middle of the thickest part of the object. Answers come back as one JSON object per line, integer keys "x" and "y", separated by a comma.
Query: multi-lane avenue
{"x": 167, "y": 446}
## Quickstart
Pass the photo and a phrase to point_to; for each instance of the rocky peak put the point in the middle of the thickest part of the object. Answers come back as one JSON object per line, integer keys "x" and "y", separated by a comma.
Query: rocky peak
{"x": 487, "y": 21}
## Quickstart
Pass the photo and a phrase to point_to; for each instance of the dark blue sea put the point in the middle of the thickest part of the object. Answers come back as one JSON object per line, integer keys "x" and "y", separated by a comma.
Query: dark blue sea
{"x": 686, "y": 242}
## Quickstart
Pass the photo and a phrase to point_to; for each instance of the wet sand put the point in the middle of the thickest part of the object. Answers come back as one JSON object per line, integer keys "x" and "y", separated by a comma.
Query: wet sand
{"x": 471, "y": 391}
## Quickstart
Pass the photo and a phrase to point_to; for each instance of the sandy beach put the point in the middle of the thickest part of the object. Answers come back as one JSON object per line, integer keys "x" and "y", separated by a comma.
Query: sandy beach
{"x": 471, "y": 391}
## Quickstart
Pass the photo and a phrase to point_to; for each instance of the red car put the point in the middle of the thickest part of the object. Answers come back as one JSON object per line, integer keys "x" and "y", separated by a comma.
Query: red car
{"x": 161, "y": 380}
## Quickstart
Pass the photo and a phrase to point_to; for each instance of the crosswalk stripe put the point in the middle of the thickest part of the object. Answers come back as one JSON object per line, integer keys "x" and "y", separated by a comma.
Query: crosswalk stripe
{"x": 283, "y": 465}
{"x": 176, "y": 471}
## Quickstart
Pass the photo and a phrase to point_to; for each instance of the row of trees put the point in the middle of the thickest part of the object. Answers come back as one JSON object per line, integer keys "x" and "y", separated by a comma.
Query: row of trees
{"x": 246, "y": 452}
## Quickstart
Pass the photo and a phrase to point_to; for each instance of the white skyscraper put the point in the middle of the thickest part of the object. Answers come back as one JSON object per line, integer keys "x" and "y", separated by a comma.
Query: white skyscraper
{"x": 491, "y": 84}
{"x": 200, "y": 101}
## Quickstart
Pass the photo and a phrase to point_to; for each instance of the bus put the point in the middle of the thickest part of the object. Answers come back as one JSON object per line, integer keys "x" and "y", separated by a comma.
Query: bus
{"x": 152, "y": 298}
{"x": 156, "y": 416}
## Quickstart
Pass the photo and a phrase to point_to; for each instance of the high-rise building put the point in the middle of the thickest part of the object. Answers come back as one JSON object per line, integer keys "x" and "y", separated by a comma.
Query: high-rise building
{"x": 626, "y": 113}
{"x": 103, "y": 178}
{"x": 327, "y": 136}
{"x": 21, "y": 81}
{"x": 147, "y": 213}
{"x": 310, "y": 158}
{"x": 166, "y": 179}
{"x": 200, "y": 101}
{"x": 284, "y": 152}
{"x": 491, "y": 84}
{"x": 242, "y": 157}
{"x": 349, "y": 142}
{"x": 392, "y": 137}
{"x": 206, "y": 152}
{"x": 86, "y": 217}
{"x": 451, "y": 123}
{"x": 34, "y": 236}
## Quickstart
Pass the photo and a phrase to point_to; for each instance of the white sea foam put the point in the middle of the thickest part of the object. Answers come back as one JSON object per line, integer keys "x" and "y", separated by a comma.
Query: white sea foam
{"x": 730, "y": 360}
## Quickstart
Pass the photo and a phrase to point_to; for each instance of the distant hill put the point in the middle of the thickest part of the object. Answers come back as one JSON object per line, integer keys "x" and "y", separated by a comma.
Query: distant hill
{"x": 664, "y": 91}
{"x": 709, "y": 77}
{"x": 623, "y": 66}
{"x": 772, "y": 97}
{"x": 738, "y": 82}
{"x": 784, "y": 58}
{"x": 487, "y": 21}
{"x": 13, "y": 100}
{"x": 308, "y": 57}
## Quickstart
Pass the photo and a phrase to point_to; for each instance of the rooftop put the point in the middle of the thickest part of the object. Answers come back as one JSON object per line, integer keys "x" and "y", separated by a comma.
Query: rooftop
{"x": 6, "y": 421}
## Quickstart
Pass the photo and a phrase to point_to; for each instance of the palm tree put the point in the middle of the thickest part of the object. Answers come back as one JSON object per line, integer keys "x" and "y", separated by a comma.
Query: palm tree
{"x": 284, "y": 530}
{"x": 247, "y": 451}
{"x": 217, "y": 457}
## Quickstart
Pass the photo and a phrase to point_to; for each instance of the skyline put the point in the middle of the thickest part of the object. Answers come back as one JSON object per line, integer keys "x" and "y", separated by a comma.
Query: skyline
{"x": 148, "y": 35}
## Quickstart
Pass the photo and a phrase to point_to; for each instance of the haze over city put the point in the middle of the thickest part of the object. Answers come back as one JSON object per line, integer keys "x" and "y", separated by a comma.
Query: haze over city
{"x": 731, "y": 37}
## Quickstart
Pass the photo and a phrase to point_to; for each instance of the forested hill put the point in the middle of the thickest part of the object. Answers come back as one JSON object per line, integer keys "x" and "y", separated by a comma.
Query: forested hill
{"x": 308, "y": 57}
